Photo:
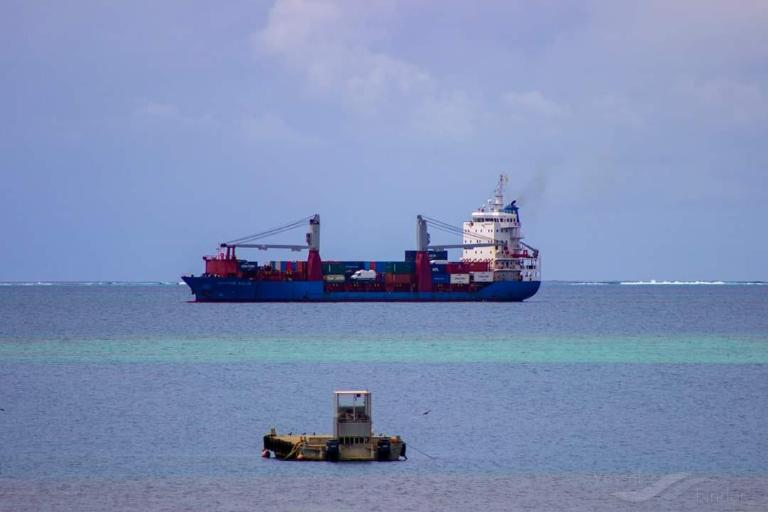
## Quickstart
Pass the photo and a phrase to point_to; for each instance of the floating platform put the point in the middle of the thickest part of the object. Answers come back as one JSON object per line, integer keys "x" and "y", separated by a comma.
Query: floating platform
{"x": 352, "y": 438}
{"x": 328, "y": 447}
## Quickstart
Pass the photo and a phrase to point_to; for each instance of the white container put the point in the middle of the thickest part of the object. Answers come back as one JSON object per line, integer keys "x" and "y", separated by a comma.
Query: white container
{"x": 334, "y": 278}
{"x": 482, "y": 277}
{"x": 459, "y": 278}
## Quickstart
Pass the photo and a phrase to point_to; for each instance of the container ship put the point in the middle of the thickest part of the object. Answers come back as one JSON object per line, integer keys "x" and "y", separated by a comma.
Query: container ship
{"x": 495, "y": 265}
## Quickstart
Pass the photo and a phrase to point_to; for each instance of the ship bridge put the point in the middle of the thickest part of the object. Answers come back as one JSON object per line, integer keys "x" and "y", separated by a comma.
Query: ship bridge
{"x": 510, "y": 258}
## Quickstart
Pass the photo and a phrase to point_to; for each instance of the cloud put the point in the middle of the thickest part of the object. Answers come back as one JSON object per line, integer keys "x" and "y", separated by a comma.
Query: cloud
{"x": 273, "y": 128}
{"x": 155, "y": 109}
{"x": 256, "y": 128}
{"x": 587, "y": 75}
{"x": 733, "y": 100}
{"x": 164, "y": 116}
{"x": 535, "y": 103}
{"x": 328, "y": 43}
{"x": 334, "y": 45}
{"x": 452, "y": 115}
{"x": 616, "y": 109}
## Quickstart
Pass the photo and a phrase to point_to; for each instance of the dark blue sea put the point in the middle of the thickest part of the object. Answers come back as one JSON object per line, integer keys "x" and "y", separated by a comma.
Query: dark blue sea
{"x": 589, "y": 396}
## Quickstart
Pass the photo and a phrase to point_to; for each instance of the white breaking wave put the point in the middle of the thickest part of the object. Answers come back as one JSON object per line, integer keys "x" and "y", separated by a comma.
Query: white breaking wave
{"x": 25, "y": 283}
{"x": 653, "y": 282}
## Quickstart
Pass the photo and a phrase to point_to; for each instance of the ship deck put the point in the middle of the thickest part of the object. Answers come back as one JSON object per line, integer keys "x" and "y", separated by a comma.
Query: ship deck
{"x": 315, "y": 447}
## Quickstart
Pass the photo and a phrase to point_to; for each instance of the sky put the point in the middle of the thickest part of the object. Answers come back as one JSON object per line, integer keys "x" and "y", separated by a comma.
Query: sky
{"x": 136, "y": 136}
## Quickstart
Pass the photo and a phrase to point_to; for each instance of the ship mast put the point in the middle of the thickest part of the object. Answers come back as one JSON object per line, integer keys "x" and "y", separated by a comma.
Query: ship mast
{"x": 498, "y": 199}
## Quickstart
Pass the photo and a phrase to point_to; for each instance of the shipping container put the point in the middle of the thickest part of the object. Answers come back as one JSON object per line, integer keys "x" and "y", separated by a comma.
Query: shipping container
{"x": 248, "y": 266}
{"x": 433, "y": 255}
{"x": 394, "y": 267}
{"x": 456, "y": 268}
{"x": 334, "y": 268}
{"x": 349, "y": 265}
{"x": 438, "y": 255}
{"x": 438, "y": 269}
{"x": 477, "y": 266}
{"x": 459, "y": 278}
{"x": 403, "y": 267}
{"x": 398, "y": 278}
{"x": 440, "y": 279}
{"x": 335, "y": 278}
{"x": 482, "y": 277}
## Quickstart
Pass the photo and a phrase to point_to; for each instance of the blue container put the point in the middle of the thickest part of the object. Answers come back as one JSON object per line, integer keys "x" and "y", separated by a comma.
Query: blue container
{"x": 438, "y": 255}
{"x": 433, "y": 255}
{"x": 438, "y": 269}
{"x": 249, "y": 266}
{"x": 441, "y": 278}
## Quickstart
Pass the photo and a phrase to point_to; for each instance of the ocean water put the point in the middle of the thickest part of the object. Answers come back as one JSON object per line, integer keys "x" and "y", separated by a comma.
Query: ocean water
{"x": 589, "y": 396}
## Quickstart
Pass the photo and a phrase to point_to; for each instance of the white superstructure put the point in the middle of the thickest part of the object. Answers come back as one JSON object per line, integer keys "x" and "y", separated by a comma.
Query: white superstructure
{"x": 511, "y": 259}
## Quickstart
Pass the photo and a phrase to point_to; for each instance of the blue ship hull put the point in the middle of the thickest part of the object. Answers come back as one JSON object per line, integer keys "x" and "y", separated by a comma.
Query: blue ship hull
{"x": 221, "y": 289}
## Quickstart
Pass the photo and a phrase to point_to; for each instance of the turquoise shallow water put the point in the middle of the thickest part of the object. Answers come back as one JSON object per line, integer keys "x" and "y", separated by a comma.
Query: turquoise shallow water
{"x": 610, "y": 349}
{"x": 133, "y": 397}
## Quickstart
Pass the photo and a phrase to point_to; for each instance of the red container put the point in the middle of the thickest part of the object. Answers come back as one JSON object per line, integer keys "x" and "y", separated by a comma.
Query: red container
{"x": 477, "y": 266}
{"x": 456, "y": 268}
{"x": 398, "y": 278}
{"x": 220, "y": 267}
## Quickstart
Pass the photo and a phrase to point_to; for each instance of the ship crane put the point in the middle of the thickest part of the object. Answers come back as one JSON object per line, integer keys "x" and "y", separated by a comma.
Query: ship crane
{"x": 247, "y": 241}
{"x": 314, "y": 263}
{"x": 264, "y": 247}
{"x": 423, "y": 238}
